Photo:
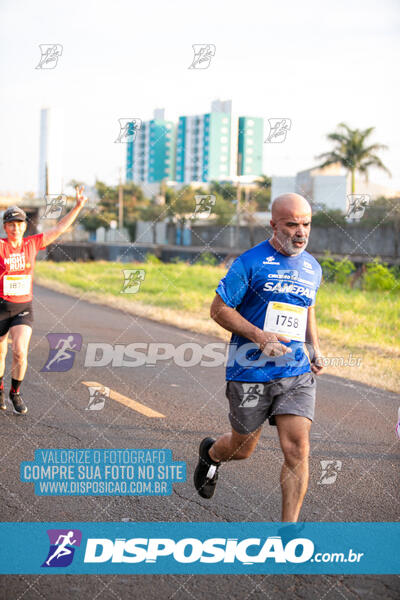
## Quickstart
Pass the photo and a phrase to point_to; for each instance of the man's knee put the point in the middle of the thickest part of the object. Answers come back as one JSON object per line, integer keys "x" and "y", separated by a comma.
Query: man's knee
{"x": 19, "y": 355}
{"x": 296, "y": 451}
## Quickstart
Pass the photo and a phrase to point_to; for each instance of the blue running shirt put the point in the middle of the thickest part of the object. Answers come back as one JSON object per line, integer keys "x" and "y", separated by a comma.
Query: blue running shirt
{"x": 258, "y": 277}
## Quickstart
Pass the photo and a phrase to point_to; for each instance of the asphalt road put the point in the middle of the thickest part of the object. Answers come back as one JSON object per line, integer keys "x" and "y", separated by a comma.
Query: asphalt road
{"x": 354, "y": 424}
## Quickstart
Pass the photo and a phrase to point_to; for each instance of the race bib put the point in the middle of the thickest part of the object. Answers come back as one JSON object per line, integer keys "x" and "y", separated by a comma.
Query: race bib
{"x": 17, "y": 285}
{"x": 286, "y": 319}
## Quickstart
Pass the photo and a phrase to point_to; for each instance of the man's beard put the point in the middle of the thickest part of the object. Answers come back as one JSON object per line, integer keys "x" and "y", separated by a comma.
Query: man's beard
{"x": 288, "y": 243}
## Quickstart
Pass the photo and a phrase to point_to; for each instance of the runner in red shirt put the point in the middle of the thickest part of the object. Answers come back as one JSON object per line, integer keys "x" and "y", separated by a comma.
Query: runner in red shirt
{"x": 17, "y": 262}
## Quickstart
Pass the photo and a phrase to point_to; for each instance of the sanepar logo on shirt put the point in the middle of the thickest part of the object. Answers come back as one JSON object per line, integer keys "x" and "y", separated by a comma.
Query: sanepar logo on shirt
{"x": 190, "y": 550}
{"x": 284, "y": 287}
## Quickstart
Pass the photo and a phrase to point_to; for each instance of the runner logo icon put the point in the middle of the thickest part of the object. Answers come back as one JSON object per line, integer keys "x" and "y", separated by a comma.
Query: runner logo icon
{"x": 278, "y": 129}
{"x": 98, "y": 395}
{"x": 62, "y": 351}
{"x": 356, "y": 205}
{"x": 330, "y": 470}
{"x": 127, "y": 130}
{"x": 203, "y": 54}
{"x": 132, "y": 280}
{"x": 62, "y": 547}
{"x": 54, "y": 205}
{"x": 251, "y": 394}
{"x": 50, "y": 53}
{"x": 204, "y": 204}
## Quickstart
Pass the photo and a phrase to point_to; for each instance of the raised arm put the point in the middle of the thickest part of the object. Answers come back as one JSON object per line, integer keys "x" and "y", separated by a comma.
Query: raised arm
{"x": 64, "y": 223}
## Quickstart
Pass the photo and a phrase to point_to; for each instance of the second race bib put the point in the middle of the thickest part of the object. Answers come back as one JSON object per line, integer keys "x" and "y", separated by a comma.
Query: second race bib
{"x": 17, "y": 285}
{"x": 286, "y": 319}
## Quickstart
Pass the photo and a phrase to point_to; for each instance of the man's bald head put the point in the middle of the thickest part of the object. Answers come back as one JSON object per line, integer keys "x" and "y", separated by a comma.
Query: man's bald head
{"x": 291, "y": 222}
{"x": 289, "y": 205}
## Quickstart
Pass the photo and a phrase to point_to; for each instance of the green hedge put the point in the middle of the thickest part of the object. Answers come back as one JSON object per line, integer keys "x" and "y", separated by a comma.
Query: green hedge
{"x": 377, "y": 276}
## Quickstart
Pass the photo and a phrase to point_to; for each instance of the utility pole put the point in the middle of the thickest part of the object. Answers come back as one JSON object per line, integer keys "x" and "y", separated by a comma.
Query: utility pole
{"x": 120, "y": 202}
{"x": 46, "y": 179}
{"x": 238, "y": 198}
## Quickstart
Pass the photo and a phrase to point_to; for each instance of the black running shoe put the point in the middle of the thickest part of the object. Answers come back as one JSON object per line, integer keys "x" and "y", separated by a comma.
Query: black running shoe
{"x": 206, "y": 473}
{"x": 18, "y": 404}
{"x": 3, "y": 405}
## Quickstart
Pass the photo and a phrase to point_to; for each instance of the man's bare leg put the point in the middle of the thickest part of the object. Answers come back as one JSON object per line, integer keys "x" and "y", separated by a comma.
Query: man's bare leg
{"x": 234, "y": 446}
{"x": 229, "y": 446}
{"x": 3, "y": 352}
{"x": 20, "y": 335}
{"x": 294, "y": 437}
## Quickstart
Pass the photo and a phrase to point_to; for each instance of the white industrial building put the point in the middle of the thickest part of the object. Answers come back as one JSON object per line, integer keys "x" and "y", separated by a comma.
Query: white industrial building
{"x": 326, "y": 187}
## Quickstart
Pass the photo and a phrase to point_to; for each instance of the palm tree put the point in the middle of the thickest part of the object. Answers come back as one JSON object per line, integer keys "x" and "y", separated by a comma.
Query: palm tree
{"x": 352, "y": 152}
{"x": 262, "y": 193}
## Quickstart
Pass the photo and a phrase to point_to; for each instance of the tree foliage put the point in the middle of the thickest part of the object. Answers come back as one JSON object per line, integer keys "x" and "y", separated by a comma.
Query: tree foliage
{"x": 353, "y": 152}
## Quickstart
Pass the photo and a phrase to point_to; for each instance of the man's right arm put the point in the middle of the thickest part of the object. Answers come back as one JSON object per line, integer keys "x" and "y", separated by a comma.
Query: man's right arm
{"x": 232, "y": 320}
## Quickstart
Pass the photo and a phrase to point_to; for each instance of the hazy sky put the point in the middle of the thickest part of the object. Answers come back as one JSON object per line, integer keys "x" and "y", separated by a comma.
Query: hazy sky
{"x": 317, "y": 63}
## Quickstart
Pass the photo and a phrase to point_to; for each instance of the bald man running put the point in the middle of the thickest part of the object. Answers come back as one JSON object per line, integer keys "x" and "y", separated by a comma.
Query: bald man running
{"x": 267, "y": 301}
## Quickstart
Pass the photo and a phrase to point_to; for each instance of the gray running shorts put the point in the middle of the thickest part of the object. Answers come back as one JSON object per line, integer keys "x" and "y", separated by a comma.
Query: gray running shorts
{"x": 252, "y": 403}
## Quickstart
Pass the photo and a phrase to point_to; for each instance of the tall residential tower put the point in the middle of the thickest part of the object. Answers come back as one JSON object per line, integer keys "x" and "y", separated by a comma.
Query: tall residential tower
{"x": 208, "y": 147}
{"x": 250, "y": 146}
{"x": 203, "y": 147}
{"x": 150, "y": 157}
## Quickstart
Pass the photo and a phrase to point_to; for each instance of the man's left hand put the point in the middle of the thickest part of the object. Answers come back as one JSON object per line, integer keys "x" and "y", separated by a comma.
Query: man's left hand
{"x": 317, "y": 364}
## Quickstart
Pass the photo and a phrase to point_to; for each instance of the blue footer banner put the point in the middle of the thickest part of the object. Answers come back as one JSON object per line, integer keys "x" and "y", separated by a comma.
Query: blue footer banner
{"x": 212, "y": 547}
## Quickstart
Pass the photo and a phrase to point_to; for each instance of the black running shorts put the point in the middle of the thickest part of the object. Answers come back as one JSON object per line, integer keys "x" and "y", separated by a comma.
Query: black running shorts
{"x": 14, "y": 313}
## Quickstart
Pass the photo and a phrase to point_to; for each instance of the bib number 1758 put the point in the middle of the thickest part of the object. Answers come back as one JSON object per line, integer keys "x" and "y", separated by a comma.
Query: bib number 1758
{"x": 286, "y": 319}
{"x": 283, "y": 320}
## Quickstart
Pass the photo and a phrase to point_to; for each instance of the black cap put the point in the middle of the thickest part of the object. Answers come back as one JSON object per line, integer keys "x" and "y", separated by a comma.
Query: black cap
{"x": 14, "y": 213}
